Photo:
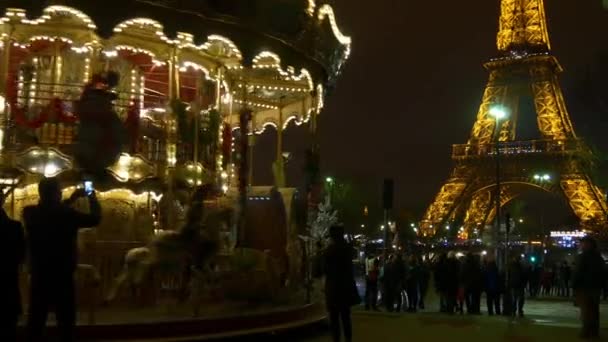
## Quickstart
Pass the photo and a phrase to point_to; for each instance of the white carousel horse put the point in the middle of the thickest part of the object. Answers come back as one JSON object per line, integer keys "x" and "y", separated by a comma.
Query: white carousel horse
{"x": 194, "y": 245}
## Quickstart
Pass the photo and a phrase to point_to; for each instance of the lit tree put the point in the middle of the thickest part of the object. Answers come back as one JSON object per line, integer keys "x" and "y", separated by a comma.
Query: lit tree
{"x": 319, "y": 225}
{"x": 317, "y": 229}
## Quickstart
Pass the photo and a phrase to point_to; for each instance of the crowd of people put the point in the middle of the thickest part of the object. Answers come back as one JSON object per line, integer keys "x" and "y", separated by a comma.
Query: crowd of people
{"x": 460, "y": 282}
{"x": 401, "y": 283}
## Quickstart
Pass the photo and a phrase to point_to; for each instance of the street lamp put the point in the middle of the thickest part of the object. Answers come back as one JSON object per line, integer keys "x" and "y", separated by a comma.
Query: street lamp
{"x": 499, "y": 113}
{"x": 330, "y": 184}
{"x": 542, "y": 178}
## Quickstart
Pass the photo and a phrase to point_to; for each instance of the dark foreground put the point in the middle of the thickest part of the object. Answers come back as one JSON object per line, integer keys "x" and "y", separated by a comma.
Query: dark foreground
{"x": 546, "y": 320}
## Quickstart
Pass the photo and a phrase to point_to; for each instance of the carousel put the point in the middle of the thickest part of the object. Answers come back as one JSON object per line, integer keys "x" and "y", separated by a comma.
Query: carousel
{"x": 198, "y": 81}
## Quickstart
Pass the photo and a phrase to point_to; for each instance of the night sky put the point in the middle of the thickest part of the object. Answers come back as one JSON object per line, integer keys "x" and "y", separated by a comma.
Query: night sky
{"x": 413, "y": 85}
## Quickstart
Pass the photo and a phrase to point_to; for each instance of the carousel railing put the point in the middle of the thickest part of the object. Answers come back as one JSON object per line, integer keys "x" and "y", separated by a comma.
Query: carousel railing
{"x": 516, "y": 148}
{"x": 38, "y": 123}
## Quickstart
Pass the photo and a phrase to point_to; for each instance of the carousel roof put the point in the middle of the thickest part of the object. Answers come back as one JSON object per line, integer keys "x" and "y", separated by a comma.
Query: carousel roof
{"x": 279, "y": 55}
{"x": 304, "y": 33}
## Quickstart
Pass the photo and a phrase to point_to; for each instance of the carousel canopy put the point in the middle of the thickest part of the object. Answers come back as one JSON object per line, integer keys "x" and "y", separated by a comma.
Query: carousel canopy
{"x": 304, "y": 33}
{"x": 276, "y": 57}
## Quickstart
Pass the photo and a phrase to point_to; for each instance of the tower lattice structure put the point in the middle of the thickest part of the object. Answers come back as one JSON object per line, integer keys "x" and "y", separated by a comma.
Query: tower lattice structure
{"x": 524, "y": 68}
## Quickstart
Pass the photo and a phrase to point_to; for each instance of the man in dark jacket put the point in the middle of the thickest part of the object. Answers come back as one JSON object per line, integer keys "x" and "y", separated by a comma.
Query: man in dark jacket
{"x": 390, "y": 281}
{"x": 517, "y": 285}
{"x": 473, "y": 283}
{"x": 52, "y": 228}
{"x": 399, "y": 279}
{"x": 452, "y": 282}
{"x": 340, "y": 288}
{"x": 492, "y": 284}
{"x": 371, "y": 284}
{"x": 589, "y": 278}
{"x": 425, "y": 275}
{"x": 412, "y": 284}
{"x": 439, "y": 276}
{"x": 12, "y": 255}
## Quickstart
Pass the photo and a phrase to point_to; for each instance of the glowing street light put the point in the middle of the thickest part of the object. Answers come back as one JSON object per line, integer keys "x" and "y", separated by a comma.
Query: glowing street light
{"x": 330, "y": 183}
{"x": 498, "y": 112}
{"x": 542, "y": 177}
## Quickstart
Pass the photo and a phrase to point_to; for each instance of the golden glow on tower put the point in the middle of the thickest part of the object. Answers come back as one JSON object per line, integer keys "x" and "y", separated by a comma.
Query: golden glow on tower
{"x": 471, "y": 189}
{"x": 522, "y": 24}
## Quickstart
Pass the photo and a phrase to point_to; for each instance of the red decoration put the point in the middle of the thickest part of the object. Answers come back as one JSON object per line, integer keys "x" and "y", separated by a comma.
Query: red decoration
{"x": 54, "y": 107}
{"x": 21, "y": 120}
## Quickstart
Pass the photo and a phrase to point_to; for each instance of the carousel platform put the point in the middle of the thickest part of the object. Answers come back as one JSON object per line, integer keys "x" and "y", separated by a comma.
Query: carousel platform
{"x": 133, "y": 325}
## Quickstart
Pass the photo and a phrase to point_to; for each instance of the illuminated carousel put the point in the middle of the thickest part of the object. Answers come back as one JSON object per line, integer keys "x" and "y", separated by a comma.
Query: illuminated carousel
{"x": 199, "y": 79}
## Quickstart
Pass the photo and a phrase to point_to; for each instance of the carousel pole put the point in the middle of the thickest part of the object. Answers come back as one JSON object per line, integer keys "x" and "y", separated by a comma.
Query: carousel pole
{"x": 56, "y": 88}
{"x": 314, "y": 150}
{"x": 173, "y": 95}
{"x": 230, "y": 161}
{"x": 4, "y": 70}
{"x": 312, "y": 204}
{"x": 13, "y": 216}
{"x": 251, "y": 146}
{"x": 196, "y": 109}
{"x": 279, "y": 167}
{"x": 245, "y": 117}
{"x": 57, "y": 66}
{"x": 218, "y": 108}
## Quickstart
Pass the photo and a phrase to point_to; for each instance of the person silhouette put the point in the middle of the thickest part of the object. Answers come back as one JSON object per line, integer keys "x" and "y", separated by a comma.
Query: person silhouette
{"x": 52, "y": 227}
{"x": 101, "y": 133}
{"x": 12, "y": 255}
{"x": 340, "y": 288}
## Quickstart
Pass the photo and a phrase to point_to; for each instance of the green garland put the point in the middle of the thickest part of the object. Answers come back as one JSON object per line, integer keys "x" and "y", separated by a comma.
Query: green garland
{"x": 185, "y": 122}
{"x": 210, "y": 134}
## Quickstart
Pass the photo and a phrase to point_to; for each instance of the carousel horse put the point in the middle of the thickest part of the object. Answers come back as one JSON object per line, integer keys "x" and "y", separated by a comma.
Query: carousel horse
{"x": 178, "y": 252}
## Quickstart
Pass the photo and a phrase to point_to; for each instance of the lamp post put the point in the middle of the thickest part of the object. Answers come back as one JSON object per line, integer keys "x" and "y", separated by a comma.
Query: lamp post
{"x": 542, "y": 179}
{"x": 330, "y": 185}
{"x": 499, "y": 113}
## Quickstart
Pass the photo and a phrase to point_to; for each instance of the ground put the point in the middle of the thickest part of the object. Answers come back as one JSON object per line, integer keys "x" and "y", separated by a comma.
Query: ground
{"x": 550, "y": 320}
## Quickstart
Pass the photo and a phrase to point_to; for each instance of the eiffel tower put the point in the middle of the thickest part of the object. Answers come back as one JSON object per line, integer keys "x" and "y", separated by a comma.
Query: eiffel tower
{"x": 524, "y": 68}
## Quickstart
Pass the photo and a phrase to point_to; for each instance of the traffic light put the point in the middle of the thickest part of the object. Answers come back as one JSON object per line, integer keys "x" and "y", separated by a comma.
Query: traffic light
{"x": 532, "y": 259}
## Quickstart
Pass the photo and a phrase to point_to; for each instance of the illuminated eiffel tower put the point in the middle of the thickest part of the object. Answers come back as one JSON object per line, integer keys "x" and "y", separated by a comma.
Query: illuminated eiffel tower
{"x": 524, "y": 68}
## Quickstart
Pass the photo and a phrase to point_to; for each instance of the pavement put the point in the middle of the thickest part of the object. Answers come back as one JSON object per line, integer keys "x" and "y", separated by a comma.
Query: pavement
{"x": 551, "y": 319}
